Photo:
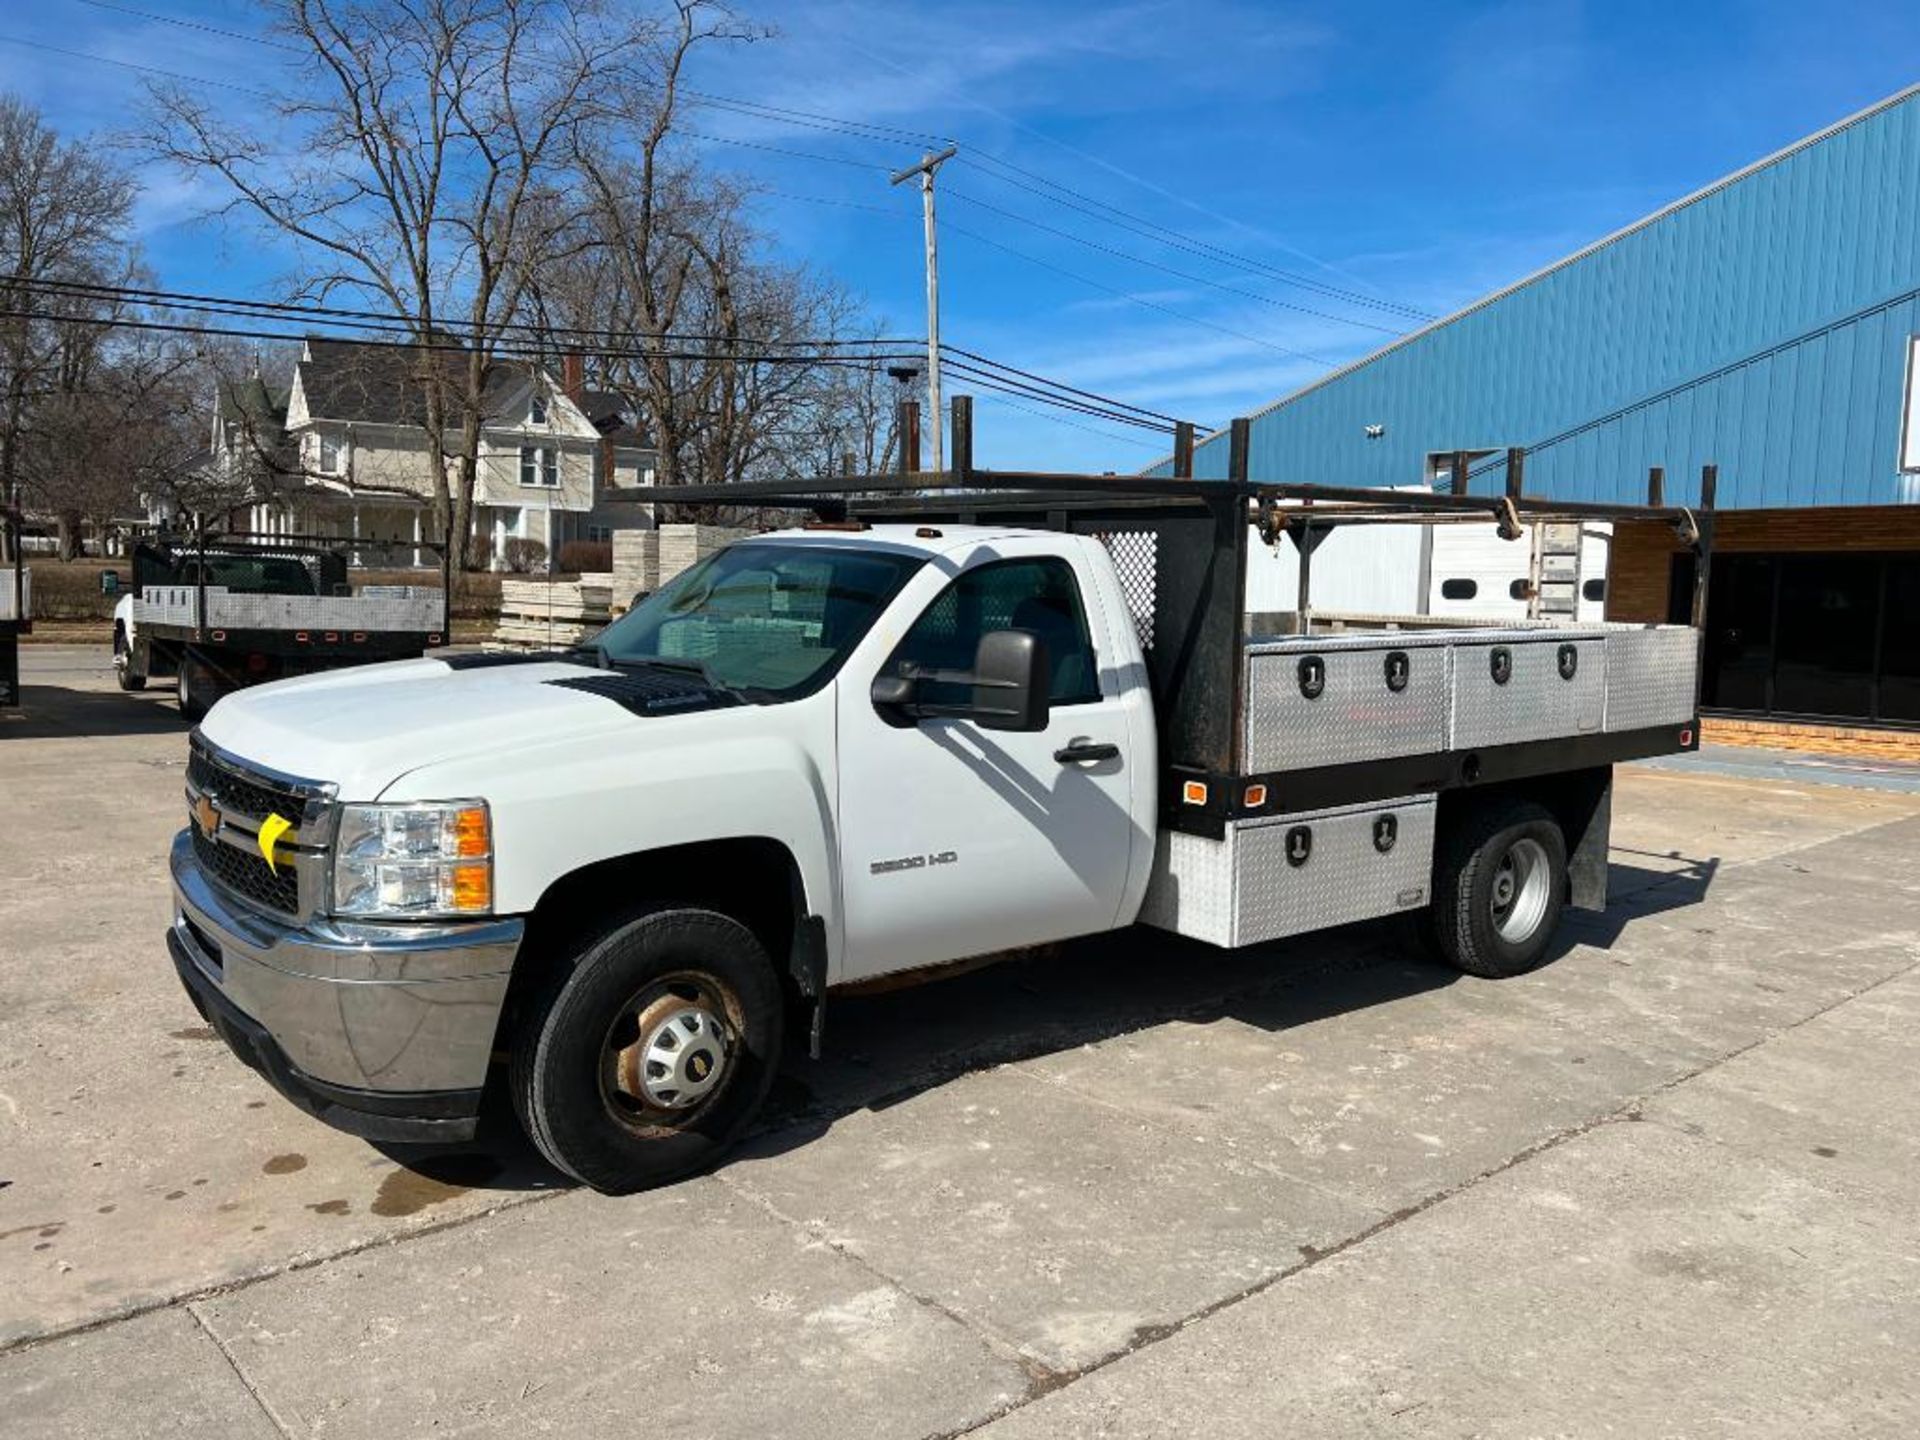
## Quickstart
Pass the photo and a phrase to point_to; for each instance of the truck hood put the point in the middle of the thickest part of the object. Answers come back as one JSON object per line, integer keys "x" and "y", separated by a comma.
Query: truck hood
{"x": 365, "y": 727}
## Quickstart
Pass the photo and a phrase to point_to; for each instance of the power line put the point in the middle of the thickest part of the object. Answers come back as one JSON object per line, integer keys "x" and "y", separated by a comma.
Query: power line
{"x": 511, "y": 350}
{"x": 129, "y": 65}
{"x": 1087, "y": 205}
{"x": 781, "y": 150}
{"x": 227, "y": 304}
{"x": 395, "y": 332}
{"x": 1016, "y": 387}
{"x": 192, "y": 25}
{"x": 1114, "y": 435}
{"x": 808, "y": 119}
{"x": 1167, "y": 269}
{"x": 1030, "y": 375}
{"x": 1137, "y": 300}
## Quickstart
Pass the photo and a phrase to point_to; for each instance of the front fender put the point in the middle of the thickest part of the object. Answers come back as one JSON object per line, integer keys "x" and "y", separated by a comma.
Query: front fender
{"x": 759, "y": 772}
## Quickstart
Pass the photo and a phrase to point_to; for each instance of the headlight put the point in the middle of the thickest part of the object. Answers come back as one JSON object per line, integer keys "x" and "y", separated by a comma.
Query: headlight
{"x": 414, "y": 860}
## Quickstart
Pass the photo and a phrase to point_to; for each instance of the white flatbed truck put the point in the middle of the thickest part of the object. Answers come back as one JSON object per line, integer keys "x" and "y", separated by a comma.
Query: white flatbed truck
{"x": 217, "y": 616}
{"x": 963, "y": 713}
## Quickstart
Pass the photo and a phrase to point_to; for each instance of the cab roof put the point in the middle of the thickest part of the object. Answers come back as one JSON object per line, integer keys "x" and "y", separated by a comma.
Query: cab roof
{"x": 917, "y": 538}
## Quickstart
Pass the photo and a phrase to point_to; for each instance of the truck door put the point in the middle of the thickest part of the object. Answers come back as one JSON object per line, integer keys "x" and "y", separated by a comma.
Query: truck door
{"x": 960, "y": 840}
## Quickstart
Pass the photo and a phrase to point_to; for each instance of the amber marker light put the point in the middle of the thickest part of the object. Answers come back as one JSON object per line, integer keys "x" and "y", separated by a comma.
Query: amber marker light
{"x": 473, "y": 886}
{"x": 471, "y": 833}
{"x": 1194, "y": 792}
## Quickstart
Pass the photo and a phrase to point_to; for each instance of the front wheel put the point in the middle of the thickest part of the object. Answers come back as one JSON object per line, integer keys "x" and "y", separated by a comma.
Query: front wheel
{"x": 1500, "y": 881}
{"x": 645, "y": 1060}
{"x": 123, "y": 671}
{"x": 188, "y": 685}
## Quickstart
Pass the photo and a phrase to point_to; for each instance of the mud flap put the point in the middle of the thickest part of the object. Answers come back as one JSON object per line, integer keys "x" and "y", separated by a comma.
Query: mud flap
{"x": 808, "y": 965}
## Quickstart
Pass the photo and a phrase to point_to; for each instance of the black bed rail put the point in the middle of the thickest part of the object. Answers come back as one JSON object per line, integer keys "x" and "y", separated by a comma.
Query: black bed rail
{"x": 1187, "y": 592}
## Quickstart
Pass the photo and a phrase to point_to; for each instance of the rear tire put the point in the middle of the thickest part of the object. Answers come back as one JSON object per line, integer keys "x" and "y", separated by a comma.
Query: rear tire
{"x": 650, "y": 1052}
{"x": 1500, "y": 882}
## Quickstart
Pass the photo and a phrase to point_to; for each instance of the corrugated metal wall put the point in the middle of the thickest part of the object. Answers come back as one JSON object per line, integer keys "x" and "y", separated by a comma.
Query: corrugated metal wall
{"x": 1758, "y": 325}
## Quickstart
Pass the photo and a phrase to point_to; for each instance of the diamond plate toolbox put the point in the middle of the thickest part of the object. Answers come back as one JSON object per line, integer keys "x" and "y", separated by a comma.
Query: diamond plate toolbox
{"x": 1651, "y": 675}
{"x": 1284, "y": 875}
{"x": 1332, "y": 700}
{"x": 1528, "y": 685}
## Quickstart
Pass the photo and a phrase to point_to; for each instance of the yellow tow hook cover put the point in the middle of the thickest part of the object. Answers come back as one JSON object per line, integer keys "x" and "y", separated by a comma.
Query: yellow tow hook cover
{"x": 271, "y": 829}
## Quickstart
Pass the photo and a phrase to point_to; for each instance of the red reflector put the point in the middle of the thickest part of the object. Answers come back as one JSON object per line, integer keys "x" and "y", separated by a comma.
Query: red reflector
{"x": 433, "y": 639}
{"x": 301, "y": 636}
{"x": 359, "y": 637}
{"x": 332, "y": 636}
{"x": 1686, "y": 737}
{"x": 219, "y": 635}
{"x": 256, "y": 663}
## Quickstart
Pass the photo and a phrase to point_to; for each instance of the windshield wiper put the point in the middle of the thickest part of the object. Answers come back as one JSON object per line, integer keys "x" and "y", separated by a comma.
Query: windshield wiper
{"x": 687, "y": 665}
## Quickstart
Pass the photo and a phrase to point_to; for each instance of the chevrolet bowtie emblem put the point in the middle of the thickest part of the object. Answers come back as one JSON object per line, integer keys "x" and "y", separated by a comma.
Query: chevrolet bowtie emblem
{"x": 271, "y": 829}
{"x": 207, "y": 816}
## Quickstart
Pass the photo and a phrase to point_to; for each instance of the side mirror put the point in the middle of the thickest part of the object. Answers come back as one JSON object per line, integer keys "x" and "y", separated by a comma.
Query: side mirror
{"x": 891, "y": 693}
{"x": 109, "y": 582}
{"x": 1010, "y": 681}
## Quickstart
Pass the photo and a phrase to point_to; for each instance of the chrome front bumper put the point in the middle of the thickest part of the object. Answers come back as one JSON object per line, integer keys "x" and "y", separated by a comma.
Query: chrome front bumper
{"x": 383, "y": 1030}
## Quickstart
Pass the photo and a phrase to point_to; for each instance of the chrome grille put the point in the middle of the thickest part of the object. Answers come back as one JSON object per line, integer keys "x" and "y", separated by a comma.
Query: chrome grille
{"x": 244, "y": 795}
{"x": 248, "y": 876}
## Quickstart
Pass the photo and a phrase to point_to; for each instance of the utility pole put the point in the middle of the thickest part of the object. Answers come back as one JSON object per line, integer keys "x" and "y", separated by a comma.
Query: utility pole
{"x": 925, "y": 170}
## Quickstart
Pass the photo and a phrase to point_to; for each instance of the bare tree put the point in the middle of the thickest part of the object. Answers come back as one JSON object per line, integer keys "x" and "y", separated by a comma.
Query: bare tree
{"x": 63, "y": 218}
{"x": 432, "y": 149}
{"x": 745, "y": 366}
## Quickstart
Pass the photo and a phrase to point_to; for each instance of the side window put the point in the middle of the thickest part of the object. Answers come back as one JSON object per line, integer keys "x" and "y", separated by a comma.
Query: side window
{"x": 1039, "y": 595}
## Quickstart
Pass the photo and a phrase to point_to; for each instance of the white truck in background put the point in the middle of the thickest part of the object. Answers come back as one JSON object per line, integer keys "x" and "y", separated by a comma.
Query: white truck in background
{"x": 963, "y": 714}
{"x": 215, "y": 617}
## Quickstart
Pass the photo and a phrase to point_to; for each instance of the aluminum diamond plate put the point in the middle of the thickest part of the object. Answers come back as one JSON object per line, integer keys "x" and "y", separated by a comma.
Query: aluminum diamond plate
{"x": 413, "y": 608}
{"x": 1242, "y": 890}
{"x": 1535, "y": 703}
{"x": 1357, "y": 715}
{"x": 1651, "y": 676}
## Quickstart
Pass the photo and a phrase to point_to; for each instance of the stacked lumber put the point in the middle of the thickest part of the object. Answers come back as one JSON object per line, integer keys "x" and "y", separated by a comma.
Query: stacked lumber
{"x": 681, "y": 545}
{"x": 644, "y": 560}
{"x": 535, "y": 614}
{"x": 636, "y": 566}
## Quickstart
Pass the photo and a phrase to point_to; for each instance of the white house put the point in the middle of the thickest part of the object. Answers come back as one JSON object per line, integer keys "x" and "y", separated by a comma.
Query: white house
{"x": 355, "y": 463}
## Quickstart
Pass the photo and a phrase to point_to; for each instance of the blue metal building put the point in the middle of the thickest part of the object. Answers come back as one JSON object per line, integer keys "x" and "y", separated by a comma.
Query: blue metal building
{"x": 1766, "y": 324}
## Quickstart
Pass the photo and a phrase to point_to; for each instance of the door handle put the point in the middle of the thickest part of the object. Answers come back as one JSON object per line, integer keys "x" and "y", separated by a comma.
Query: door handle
{"x": 1081, "y": 751}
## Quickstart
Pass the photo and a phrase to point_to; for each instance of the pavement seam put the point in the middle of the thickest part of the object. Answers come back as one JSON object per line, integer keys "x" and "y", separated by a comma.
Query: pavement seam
{"x": 280, "y": 1426}
{"x": 238, "y": 1283}
{"x": 1629, "y": 1111}
{"x": 996, "y": 1343}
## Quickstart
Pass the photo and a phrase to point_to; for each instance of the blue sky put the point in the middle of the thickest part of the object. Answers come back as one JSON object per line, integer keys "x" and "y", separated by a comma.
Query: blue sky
{"x": 1380, "y": 150}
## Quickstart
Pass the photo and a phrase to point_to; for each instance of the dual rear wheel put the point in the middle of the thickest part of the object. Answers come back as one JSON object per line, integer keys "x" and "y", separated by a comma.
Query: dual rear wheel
{"x": 1499, "y": 886}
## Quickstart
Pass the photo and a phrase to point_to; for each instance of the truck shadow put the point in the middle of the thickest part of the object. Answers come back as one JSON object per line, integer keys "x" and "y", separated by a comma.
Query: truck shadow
{"x": 882, "y": 1049}
{"x": 61, "y": 712}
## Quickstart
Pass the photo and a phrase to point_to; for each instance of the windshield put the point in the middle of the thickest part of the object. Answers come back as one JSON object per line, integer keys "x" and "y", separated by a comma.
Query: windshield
{"x": 774, "y": 621}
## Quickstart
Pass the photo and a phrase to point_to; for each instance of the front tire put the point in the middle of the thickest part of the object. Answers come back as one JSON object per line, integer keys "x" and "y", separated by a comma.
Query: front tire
{"x": 645, "y": 1060}
{"x": 187, "y": 693}
{"x": 1500, "y": 882}
{"x": 123, "y": 671}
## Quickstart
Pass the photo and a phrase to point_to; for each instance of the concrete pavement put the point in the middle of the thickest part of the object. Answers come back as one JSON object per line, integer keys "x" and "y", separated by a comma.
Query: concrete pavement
{"x": 1137, "y": 1188}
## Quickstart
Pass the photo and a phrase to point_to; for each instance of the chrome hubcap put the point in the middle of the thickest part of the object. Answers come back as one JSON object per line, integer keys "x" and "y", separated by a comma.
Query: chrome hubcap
{"x": 1520, "y": 891}
{"x": 679, "y": 1056}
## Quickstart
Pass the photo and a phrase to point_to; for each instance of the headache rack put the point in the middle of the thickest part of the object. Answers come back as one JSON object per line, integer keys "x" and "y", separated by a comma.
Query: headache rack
{"x": 1338, "y": 710}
